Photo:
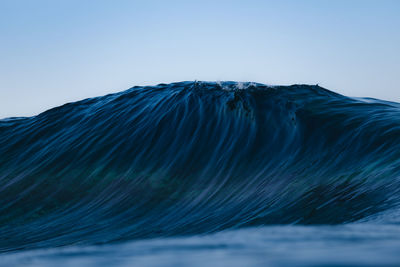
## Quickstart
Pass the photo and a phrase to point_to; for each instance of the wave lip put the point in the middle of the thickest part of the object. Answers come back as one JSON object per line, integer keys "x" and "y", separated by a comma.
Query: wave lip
{"x": 195, "y": 157}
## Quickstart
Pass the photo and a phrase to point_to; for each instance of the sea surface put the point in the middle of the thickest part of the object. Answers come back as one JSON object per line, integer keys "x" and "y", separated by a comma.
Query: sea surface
{"x": 203, "y": 174}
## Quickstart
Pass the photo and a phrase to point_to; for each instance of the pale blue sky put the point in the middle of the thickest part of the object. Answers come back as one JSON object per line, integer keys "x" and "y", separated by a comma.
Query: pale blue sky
{"x": 52, "y": 52}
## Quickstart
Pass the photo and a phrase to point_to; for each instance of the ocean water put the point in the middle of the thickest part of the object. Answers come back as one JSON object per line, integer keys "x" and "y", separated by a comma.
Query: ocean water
{"x": 203, "y": 173}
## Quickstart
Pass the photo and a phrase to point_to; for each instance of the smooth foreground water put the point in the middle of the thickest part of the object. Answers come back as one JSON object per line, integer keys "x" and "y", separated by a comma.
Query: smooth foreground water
{"x": 362, "y": 244}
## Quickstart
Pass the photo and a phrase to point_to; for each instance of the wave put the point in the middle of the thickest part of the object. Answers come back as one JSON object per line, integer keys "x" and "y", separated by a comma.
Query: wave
{"x": 192, "y": 158}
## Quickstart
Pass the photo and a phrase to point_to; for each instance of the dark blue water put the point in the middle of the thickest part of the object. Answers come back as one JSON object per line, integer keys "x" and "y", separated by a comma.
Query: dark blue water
{"x": 197, "y": 173}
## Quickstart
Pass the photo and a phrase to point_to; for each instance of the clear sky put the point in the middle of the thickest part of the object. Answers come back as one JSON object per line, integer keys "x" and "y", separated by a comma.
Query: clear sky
{"x": 52, "y": 52}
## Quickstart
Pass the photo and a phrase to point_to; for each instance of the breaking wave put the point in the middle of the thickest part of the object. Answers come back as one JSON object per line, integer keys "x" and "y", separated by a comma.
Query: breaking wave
{"x": 192, "y": 158}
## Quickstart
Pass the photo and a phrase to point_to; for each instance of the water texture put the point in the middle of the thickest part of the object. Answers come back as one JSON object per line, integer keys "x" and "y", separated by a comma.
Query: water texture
{"x": 185, "y": 161}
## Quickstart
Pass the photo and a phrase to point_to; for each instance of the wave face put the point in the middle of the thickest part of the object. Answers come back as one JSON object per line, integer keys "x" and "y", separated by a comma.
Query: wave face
{"x": 195, "y": 157}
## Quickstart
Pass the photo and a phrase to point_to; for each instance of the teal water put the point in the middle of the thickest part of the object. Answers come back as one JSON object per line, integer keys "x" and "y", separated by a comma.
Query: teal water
{"x": 196, "y": 173}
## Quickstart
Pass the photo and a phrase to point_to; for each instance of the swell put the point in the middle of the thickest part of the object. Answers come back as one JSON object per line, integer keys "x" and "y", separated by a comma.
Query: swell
{"x": 195, "y": 157}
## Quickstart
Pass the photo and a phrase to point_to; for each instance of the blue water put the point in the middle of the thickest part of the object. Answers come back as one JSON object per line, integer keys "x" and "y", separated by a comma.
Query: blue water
{"x": 196, "y": 173}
